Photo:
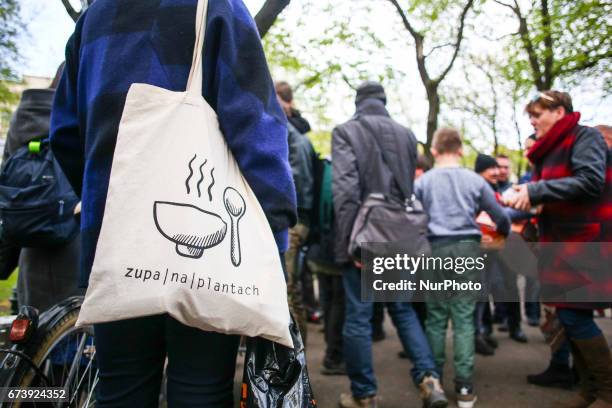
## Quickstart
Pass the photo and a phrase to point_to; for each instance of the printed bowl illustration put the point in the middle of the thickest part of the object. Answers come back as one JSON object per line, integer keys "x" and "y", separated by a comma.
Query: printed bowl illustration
{"x": 192, "y": 229}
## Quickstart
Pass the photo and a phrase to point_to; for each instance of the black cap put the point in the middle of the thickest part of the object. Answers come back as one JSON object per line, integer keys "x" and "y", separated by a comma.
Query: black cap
{"x": 484, "y": 162}
{"x": 371, "y": 89}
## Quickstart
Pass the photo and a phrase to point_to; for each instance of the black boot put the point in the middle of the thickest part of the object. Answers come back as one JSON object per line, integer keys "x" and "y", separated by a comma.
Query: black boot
{"x": 482, "y": 347}
{"x": 491, "y": 341}
{"x": 556, "y": 375}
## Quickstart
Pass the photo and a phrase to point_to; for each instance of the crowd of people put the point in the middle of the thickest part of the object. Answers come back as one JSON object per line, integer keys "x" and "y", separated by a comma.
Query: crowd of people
{"x": 454, "y": 198}
{"x": 564, "y": 196}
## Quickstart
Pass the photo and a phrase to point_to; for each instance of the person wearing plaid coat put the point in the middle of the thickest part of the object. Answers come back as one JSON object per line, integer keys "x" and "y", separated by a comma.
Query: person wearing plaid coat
{"x": 573, "y": 184}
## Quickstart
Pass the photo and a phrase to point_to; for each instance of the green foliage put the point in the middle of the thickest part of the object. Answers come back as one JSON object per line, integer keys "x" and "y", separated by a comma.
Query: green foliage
{"x": 9, "y": 54}
{"x": 577, "y": 42}
{"x": 321, "y": 141}
{"x": 328, "y": 60}
{"x": 6, "y": 290}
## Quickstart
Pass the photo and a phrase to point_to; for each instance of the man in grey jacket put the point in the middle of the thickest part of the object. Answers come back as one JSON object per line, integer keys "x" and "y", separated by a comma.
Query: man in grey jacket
{"x": 358, "y": 170}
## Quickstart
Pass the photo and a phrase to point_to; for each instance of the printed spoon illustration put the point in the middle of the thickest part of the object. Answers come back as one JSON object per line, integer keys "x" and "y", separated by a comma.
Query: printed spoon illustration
{"x": 236, "y": 207}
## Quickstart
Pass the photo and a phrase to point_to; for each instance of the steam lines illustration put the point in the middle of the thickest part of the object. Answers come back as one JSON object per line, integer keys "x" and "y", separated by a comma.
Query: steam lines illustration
{"x": 201, "y": 179}
{"x": 190, "y": 174}
{"x": 212, "y": 176}
{"x": 192, "y": 229}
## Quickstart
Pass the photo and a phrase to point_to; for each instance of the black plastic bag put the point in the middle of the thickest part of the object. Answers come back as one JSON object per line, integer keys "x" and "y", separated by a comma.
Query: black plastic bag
{"x": 276, "y": 376}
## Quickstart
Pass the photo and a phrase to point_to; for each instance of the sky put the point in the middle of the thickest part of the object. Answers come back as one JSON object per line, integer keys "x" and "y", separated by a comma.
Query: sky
{"x": 48, "y": 29}
{"x": 49, "y": 26}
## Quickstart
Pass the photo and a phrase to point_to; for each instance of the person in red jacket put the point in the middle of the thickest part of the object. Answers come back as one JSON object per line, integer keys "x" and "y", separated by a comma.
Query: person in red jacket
{"x": 573, "y": 183}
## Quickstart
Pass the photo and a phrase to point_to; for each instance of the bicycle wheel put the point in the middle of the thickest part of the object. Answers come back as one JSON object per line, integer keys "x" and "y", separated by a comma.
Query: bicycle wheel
{"x": 66, "y": 356}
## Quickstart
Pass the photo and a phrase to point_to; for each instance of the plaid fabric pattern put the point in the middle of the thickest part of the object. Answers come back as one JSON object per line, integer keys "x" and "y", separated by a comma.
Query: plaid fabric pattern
{"x": 117, "y": 43}
{"x": 571, "y": 222}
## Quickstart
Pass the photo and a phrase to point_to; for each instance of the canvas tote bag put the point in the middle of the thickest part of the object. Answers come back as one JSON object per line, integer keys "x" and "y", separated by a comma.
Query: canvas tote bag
{"x": 183, "y": 233}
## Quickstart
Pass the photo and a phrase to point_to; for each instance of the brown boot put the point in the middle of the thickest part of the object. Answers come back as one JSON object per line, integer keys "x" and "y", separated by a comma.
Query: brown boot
{"x": 586, "y": 395}
{"x": 598, "y": 359}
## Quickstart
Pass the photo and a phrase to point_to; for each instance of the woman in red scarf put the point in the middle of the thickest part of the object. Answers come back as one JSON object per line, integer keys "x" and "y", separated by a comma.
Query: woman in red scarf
{"x": 573, "y": 183}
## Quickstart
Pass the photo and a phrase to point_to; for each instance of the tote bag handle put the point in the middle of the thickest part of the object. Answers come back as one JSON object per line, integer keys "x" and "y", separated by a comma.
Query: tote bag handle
{"x": 194, "y": 83}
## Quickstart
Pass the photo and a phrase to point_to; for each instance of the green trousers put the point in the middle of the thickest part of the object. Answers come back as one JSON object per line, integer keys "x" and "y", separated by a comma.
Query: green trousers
{"x": 459, "y": 310}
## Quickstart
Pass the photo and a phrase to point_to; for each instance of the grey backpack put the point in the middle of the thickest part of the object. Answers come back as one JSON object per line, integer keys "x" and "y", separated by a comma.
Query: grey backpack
{"x": 382, "y": 218}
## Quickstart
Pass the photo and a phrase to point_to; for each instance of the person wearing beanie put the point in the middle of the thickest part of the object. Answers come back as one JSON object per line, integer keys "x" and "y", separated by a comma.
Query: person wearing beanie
{"x": 487, "y": 167}
{"x": 509, "y": 312}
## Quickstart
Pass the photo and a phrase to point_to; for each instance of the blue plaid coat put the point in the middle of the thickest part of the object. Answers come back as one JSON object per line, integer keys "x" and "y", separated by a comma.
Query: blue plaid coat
{"x": 117, "y": 43}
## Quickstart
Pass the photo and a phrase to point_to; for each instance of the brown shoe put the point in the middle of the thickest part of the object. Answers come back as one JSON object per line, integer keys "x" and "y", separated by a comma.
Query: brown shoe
{"x": 348, "y": 401}
{"x": 432, "y": 393}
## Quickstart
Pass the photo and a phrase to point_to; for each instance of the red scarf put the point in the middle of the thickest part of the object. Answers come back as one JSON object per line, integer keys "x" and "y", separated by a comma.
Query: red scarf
{"x": 555, "y": 135}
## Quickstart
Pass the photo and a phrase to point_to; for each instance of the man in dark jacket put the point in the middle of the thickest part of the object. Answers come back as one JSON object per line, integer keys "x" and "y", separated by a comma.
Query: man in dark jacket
{"x": 358, "y": 170}
{"x": 503, "y": 281}
{"x": 300, "y": 157}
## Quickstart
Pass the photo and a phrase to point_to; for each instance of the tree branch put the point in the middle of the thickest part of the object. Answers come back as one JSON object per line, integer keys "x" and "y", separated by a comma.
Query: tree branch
{"x": 548, "y": 45}
{"x": 501, "y": 3}
{"x": 348, "y": 82}
{"x": 582, "y": 65}
{"x": 418, "y": 39}
{"x": 265, "y": 18}
{"x": 466, "y": 9}
{"x": 529, "y": 47}
{"x": 74, "y": 15}
{"x": 437, "y": 47}
{"x": 501, "y": 37}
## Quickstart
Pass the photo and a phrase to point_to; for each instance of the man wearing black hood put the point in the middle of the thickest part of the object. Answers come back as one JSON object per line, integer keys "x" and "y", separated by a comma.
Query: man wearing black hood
{"x": 359, "y": 170}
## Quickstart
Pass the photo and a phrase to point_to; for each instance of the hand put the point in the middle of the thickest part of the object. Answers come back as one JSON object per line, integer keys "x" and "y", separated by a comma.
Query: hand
{"x": 486, "y": 239}
{"x": 294, "y": 238}
{"x": 520, "y": 200}
{"x": 490, "y": 243}
{"x": 358, "y": 264}
{"x": 77, "y": 209}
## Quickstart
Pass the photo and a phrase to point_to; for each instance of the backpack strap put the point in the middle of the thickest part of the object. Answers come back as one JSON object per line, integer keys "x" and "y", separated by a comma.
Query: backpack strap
{"x": 35, "y": 146}
{"x": 397, "y": 176}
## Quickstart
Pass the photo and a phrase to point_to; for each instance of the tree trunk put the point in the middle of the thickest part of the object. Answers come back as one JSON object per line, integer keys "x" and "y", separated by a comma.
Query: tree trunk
{"x": 268, "y": 13}
{"x": 74, "y": 14}
{"x": 433, "y": 100}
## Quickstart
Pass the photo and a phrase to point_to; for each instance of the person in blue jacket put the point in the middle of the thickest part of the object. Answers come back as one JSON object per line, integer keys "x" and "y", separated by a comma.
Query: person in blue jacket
{"x": 115, "y": 44}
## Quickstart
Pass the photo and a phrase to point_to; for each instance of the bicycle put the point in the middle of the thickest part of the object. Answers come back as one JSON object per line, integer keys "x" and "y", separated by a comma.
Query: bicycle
{"x": 49, "y": 351}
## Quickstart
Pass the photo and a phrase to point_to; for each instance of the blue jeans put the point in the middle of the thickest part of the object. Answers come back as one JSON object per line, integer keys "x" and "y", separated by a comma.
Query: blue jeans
{"x": 357, "y": 334}
{"x": 131, "y": 356}
{"x": 532, "y": 297}
{"x": 578, "y": 323}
